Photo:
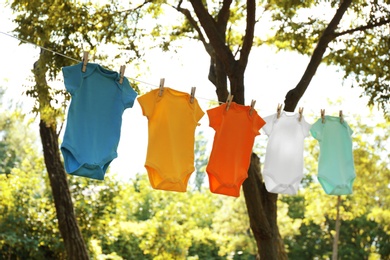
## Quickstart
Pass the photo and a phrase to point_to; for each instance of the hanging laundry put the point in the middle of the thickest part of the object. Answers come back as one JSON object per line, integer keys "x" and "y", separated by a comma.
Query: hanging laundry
{"x": 336, "y": 170}
{"x": 235, "y": 131}
{"x": 94, "y": 118}
{"x": 172, "y": 120}
{"x": 283, "y": 164}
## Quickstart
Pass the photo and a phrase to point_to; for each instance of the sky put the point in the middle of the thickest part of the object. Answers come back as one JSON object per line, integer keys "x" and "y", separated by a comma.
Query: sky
{"x": 268, "y": 78}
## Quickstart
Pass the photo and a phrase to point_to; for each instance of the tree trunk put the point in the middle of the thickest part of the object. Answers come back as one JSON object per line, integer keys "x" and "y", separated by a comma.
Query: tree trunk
{"x": 262, "y": 211}
{"x": 70, "y": 232}
{"x": 261, "y": 204}
{"x": 337, "y": 230}
{"x": 73, "y": 240}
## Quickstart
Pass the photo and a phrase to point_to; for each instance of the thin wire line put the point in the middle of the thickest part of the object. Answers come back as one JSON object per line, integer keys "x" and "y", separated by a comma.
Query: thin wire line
{"x": 65, "y": 56}
{"x": 143, "y": 82}
{"x": 57, "y": 53}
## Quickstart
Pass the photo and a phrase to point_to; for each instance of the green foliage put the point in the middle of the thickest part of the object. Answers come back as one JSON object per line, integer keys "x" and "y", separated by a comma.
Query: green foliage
{"x": 11, "y": 139}
{"x": 130, "y": 220}
{"x": 127, "y": 242}
{"x": 231, "y": 222}
{"x": 134, "y": 221}
{"x": 364, "y": 215}
{"x": 8, "y": 157}
{"x": 360, "y": 238}
{"x": 309, "y": 242}
{"x": 177, "y": 224}
{"x": 183, "y": 23}
{"x": 70, "y": 28}
{"x": 368, "y": 53}
{"x": 95, "y": 202}
{"x": 201, "y": 160}
{"x": 204, "y": 246}
{"x": 296, "y": 206}
{"x": 166, "y": 233}
{"x": 28, "y": 227}
{"x": 360, "y": 46}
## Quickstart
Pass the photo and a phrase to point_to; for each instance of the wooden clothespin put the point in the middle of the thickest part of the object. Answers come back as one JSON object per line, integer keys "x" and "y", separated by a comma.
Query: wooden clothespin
{"x": 252, "y": 106}
{"x": 162, "y": 80}
{"x": 192, "y": 94}
{"x": 122, "y": 73}
{"x": 278, "y": 110}
{"x": 229, "y": 101}
{"x": 85, "y": 61}
{"x": 323, "y": 115}
{"x": 300, "y": 113}
{"x": 341, "y": 116}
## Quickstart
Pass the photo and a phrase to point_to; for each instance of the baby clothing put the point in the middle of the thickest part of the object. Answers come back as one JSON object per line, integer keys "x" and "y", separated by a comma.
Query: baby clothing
{"x": 94, "y": 118}
{"x": 283, "y": 165}
{"x": 172, "y": 120}
{"x": 336, "y": 170}
{"x": 235, "y": 131}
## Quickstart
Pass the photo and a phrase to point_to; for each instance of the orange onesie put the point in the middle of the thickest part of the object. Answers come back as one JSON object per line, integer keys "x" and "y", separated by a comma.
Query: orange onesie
{"x": 235, "y": 131}
{"x": 172, "y": 120}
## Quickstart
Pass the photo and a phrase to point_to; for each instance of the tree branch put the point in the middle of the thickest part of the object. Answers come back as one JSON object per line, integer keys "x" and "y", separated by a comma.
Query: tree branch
{"x": 223, "y": 15}
{"x": 137, "y": 7}
{"x": 294, "y": 95}
{"x": 194, "y": 24}
{"x": 249, "y": 32}
{"x": 363, "y": 27}
{"x": 217, "y": 42}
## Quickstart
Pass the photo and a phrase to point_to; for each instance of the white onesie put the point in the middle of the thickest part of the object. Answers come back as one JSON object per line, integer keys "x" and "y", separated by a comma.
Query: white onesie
{"x": 283, "y": 165}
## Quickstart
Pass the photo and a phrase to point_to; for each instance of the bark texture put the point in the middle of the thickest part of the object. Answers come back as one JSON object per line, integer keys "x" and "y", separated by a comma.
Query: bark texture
{"x": 329, "y": 34}
{"x": 67, "y": 222}
{"x": 262, "y": 212}
{"x": 261, "y": 204}
{"x": 70, "y": 232}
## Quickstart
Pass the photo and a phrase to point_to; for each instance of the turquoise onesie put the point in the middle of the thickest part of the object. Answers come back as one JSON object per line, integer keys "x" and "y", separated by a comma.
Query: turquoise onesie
{"x": 336, "y": 170}
{"x": 94, "y": 119}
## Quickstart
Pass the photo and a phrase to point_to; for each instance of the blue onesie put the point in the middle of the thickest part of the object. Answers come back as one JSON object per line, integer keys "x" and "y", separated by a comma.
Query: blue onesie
{"x": 94, "y": 118}
{"x": 336, "y": 170}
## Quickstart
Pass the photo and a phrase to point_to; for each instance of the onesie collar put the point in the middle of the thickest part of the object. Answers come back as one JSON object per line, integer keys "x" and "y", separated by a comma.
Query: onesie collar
{"x": 238, "y": 107}
{"x": 289, "y": 114}
{"x": 92, "y": 67}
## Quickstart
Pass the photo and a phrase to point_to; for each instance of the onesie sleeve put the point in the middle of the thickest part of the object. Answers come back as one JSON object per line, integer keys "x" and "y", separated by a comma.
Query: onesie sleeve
{"x": 316, "y": 130}
{"x": 269, "y": 123}
{"x": 147, "y": 103}
{"x": 128, "y": 94}
{"x": 215, "y": 116}
{"x": 198, "y": 112}
{"x": 350, "y": 131}
{"x": 73, "y": 77}
{"x": 305, "y": 127}
{"x": 258, "y": 123}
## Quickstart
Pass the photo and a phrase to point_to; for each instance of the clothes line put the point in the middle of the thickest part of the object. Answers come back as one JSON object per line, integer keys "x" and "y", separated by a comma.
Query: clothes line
{"x": 134, "y": 79}
{"x": 76, "y": 60}
{"x": 36, "y": 45}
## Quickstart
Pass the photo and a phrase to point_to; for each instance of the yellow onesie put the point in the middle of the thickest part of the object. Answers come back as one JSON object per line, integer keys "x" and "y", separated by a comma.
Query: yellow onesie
{"x": 172, "y": 120}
